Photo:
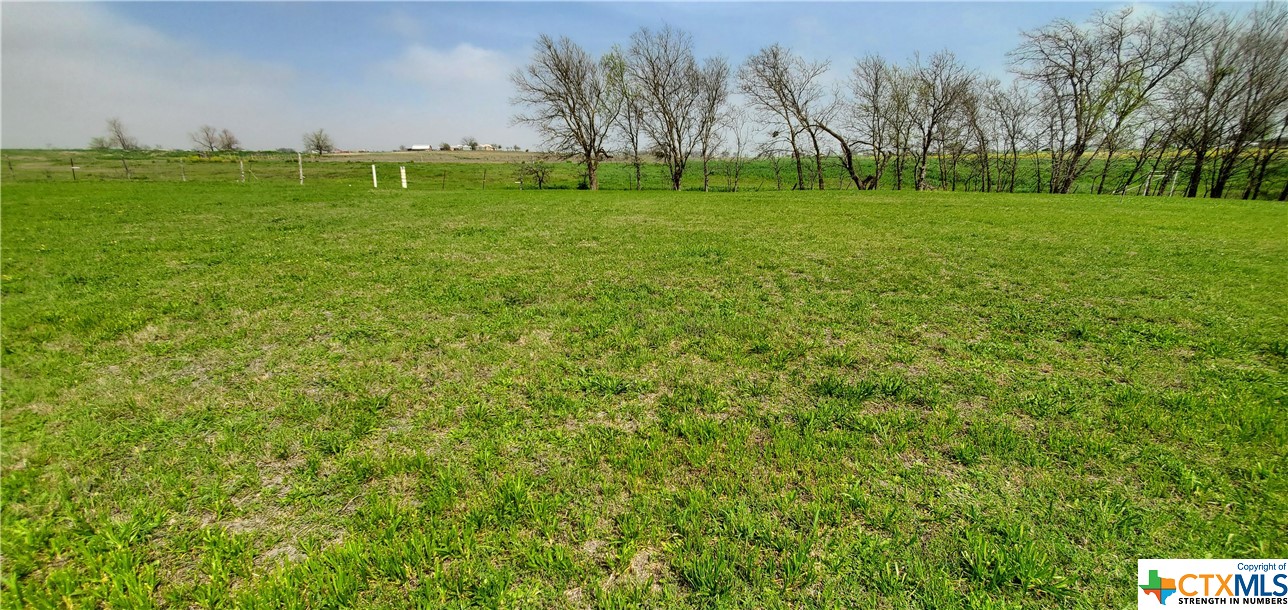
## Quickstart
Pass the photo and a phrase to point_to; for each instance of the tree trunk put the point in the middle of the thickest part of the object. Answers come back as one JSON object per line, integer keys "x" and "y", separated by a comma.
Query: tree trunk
{"x": 922, "y": 163}
{"x": 1100, "y": 186}
{"x": 1067, "y": 168}
{"x": 818, "y": 158}
{"x": 1265, "y": 160}
{"x": 592, "y": 172}
{"x": 847, "y": 157}
{"x": 1196, "y": 174}
{"x": 988, "y": 170}
{"x": 1015, "y": 166}
{"x": 1037, "y": 169}
{"x": 1225, "y": 169}
{"x": 1257, "y": 178}
{"x": 898, "y": 171}
{"x": 635, "y": 161}
{"x": 879, "y": 163}
{"x": 939, "y": 158}
{"x": 879, "y": 160}
{"x": 952, "y": 170}
{"x": 800, "y": 168}
{"x": 706, "y": 175}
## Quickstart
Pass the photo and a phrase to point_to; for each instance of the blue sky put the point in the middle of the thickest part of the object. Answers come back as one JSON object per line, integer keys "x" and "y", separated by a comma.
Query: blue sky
{"x": 378, "y": 75}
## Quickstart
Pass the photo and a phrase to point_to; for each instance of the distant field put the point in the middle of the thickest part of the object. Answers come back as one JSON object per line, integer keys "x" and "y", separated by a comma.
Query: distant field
{"x": 500, "y": 170}
{"x": 326, "y": 396}
{"x": 435, "y": 156}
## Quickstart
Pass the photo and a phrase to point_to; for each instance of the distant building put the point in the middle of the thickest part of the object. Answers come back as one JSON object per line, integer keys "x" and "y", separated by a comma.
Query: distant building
{"x": 486, "y": 147}
{"x": 420, "y": 147}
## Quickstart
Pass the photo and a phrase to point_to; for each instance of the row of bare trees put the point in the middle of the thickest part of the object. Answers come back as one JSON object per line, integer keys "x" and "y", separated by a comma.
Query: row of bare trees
{"x": 209, "y": 140}
{"x": 1193, "y": 94}
{"x": 654, "y": 97}
{"x": 1189, "y": 92}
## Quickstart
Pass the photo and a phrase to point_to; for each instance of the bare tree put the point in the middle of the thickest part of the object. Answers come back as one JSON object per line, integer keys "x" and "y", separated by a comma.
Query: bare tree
{"x": 318, "y": 142}
{"x": 226, "y": 141}
{"x": 976, "y": 132}
{"x": 1154, "y": 51}
{"x": 1012, "y": 112}
{"x": 1094, "y": 77}
{"x": 870, "y": 85}
{"x": 938, "y": 85}
{"x": 1262, "y": 70}
{"x": 206, "y": 138}
{"x": 1267, "y": 150}
{"x": 788, "y": 90}
{"x": 902, "y": 122}
{"x": 738, "y": 132}
{"x": 805, "y": 99}
{"x": 895, "y": 106}
{"x": 100, "y": 143}
{"x": 1202, "y": 97}
{"x": 661, "y": 68}
{"x": 1152, "y": 140}
{"x": 712, "y": 106}
{"x": 829, "y": 119}
{"x": 765, "y": 80}
{"x": 570, "y": 101}
{"x": 118, "y": 137}
{"x": 882, "y": 115}
{"x": 629, "y": 125}
{"x": 470, "y": 142}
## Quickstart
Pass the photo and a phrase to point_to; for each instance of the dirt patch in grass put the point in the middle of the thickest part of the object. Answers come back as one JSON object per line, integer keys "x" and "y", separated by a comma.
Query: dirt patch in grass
{"x": 645, "y": 568}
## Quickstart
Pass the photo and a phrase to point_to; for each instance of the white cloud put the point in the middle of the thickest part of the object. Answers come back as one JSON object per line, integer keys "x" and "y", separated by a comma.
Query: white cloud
{"x": 462, "y": 91}
{"x": 464, "y": 64}
{"x": 68, "y": 67}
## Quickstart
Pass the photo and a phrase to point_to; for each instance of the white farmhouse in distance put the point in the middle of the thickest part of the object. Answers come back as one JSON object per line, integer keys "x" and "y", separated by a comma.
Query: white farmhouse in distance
{"x": 486, "y": 147}
{"x": 420, "y": 147}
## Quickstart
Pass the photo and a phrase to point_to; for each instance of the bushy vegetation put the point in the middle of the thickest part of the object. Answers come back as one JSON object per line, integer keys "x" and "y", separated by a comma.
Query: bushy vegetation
{"x": 269, "y": 395}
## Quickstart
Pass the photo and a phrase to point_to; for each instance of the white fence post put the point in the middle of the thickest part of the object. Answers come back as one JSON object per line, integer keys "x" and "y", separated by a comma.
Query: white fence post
{"x": 299, "y": 158}
{"x": 374, "y": 184}
{"x": 402, "y": 170}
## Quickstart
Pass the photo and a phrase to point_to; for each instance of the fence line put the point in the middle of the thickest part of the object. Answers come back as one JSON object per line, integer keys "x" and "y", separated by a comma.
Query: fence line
{"x": 756, "y": 174}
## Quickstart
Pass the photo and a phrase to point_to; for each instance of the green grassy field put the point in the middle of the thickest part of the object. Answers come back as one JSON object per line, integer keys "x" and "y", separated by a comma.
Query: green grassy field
{"x": 267, "y": 395}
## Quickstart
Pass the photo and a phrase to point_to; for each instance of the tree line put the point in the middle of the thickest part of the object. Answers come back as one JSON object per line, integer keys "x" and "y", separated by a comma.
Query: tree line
{"x": 209, "y": 140}
{"x": 1194, "y": 95}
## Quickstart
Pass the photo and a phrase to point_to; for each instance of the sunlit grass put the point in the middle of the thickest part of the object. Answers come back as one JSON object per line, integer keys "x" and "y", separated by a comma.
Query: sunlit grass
{"x": 269, "y": 396}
